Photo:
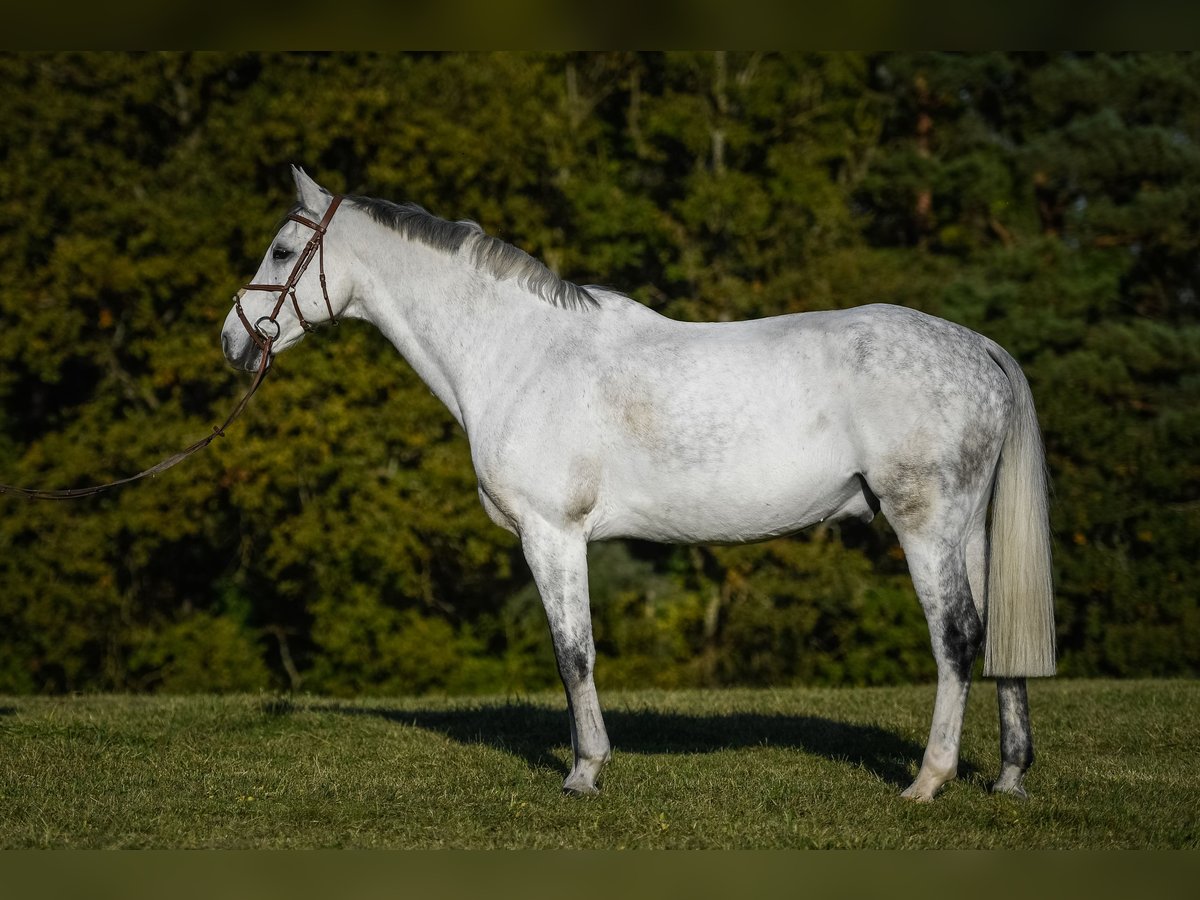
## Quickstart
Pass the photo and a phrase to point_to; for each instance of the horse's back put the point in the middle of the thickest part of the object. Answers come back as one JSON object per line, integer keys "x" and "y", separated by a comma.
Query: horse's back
{"x": 867, "y": 373}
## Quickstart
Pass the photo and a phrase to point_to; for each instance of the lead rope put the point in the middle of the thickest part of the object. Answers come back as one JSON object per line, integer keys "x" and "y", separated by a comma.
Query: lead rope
{"x": 315, "y": 247}
{"x": 218, "y": 431}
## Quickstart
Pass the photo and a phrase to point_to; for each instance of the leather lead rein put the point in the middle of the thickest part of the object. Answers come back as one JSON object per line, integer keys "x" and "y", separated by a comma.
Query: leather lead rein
{"x": 218, "y": 431}
{"x": 315, "y": 247}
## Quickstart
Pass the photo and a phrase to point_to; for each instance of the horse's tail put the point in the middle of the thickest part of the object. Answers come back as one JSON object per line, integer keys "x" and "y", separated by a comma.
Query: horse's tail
{"x": 1020, "y": 590}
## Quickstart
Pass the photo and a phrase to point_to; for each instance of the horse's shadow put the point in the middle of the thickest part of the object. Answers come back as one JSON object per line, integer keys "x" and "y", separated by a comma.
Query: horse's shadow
{"x": 532, "y": 732}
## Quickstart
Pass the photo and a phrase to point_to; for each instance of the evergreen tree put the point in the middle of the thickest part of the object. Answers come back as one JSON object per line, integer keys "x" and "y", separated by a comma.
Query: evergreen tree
{"x": 335, "y": 542}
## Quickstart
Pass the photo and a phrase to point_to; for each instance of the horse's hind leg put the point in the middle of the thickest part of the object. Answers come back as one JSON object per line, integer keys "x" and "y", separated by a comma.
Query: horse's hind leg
{"x": 558, "y": 560}
{"x": 1016, "y": 740}
{"x": 939, "y": 572}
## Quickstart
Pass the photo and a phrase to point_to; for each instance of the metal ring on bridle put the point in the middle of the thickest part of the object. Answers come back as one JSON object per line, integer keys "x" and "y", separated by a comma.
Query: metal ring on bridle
{"x": 258, "y": 326}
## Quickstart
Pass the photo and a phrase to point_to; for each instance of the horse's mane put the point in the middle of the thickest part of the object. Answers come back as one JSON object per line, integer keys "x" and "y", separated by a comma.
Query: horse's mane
{"x": 489, "y": 254}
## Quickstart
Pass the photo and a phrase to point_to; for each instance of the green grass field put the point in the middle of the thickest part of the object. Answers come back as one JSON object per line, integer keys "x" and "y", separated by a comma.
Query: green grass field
{"x": 731, "y": 768}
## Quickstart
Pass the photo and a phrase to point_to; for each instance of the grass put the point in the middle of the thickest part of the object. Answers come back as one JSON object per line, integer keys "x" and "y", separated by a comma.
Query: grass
{"x": 780, "y": 768}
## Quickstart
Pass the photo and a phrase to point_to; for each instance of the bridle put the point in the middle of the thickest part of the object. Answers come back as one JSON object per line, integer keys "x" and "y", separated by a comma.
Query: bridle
{"x": 314, "y": 247}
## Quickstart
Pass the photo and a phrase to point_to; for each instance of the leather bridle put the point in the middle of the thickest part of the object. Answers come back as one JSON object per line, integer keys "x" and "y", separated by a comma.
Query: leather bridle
{"x": 314, "y": 247}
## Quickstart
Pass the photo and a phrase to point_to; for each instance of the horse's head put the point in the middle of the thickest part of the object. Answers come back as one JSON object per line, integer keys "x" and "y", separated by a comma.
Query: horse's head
{"x": 293, "y": 290}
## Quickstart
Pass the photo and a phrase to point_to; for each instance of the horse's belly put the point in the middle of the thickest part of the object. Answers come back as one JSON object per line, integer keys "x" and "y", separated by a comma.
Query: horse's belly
{"x": 728, "y": 507}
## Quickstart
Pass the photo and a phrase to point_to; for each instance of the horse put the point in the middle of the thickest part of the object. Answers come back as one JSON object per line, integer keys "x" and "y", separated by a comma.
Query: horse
{"x": 591, "y": 417}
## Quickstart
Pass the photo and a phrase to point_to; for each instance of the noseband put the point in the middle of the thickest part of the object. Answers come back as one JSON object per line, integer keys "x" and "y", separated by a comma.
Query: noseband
{"x": 314, "y": 247}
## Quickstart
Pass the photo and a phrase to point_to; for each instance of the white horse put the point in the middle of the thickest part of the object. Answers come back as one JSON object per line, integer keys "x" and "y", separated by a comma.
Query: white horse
{"x": 591, "y": 417}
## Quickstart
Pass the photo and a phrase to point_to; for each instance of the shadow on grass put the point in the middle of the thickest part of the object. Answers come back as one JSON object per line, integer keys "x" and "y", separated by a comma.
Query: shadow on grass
{"x": 532, "y": 732}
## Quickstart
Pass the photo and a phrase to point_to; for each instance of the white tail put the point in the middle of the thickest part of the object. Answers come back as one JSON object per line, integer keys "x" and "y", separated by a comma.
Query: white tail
{"x": 1020, "y": 592}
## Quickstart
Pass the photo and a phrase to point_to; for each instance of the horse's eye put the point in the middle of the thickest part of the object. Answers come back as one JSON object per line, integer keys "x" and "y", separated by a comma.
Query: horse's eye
{"x": 280, "y": 253}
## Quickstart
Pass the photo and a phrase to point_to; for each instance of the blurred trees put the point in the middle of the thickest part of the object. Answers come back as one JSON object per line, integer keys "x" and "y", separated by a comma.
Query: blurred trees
{"x": 334, "y": 542}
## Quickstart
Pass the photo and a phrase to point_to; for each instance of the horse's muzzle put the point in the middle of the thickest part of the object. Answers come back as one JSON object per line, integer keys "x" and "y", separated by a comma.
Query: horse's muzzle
{"x": 241, "y": 352}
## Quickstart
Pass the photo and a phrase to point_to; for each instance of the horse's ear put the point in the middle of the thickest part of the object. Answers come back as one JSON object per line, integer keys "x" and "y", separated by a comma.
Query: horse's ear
{"x": 310, "y": 194}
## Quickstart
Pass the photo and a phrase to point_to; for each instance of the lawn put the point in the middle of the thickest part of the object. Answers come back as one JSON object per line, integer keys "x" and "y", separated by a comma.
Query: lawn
{"x": 793, "y": 767}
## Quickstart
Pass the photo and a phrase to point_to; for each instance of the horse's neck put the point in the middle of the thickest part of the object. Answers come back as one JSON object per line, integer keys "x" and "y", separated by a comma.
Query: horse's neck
{"x": 453, "y": 325}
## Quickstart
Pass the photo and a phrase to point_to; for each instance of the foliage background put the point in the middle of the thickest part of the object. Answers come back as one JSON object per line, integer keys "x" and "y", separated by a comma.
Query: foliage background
{"x": 334, "y": 542}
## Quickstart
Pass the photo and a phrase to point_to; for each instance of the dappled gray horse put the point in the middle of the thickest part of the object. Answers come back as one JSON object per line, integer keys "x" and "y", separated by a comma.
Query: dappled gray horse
{"x": 591, "y": 417}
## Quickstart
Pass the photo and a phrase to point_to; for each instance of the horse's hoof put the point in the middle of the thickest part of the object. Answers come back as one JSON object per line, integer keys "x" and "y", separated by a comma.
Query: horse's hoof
{"x": 1015, "y": 791}
{"x": 917, "y": 794}
{"x": 1010, "y": 782}
{"x": 582, "y": 780}
{"x": 578, "y": 785}
{"x": 927, "y": 783}
{"x": 580, "y": 790}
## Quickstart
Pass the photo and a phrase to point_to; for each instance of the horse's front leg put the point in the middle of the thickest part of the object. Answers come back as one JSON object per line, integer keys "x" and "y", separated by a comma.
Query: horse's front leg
{"x": 558, "y": 559}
